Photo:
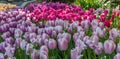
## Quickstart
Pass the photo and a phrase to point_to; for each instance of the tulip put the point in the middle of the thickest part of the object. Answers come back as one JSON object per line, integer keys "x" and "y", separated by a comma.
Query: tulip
{"x": 52, "y": 44}
{"x": 9, "y": 51}
{"x": 109, "y": 46}
{"x": 6, "y": 35}
{"x": 80, "y": 44}
{"x": 63, "y": 44}
{"x": 58, "y": 29}
{"x": 2, "y": 56}
{"x": 10, "y": 40}
{"x": 113, "y": 33}
{"x": 29, "y": 49}
{"x": 23, "y": 44}
{"x": 75, "y": 53}
{"x": 117, "y": 56}
{"x": 34, "y": 55}
{"x": 118, "y": 48}
{"x": 18, "y": 33}
{"x": 99, "y": 48}
{"x": 85, "y": 24}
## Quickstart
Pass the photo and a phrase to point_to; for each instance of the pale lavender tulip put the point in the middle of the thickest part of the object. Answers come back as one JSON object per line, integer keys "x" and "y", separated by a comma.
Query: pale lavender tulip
{"x": 80, "y": 44}
{"x": 100, "y": 32}
{"x": 52, "y": 44}
{"x": 34, "y": 54}
{"x": 58, "y": 29}
{"x": 43, "y": 55}
{"x": 11, "y": 58}
{"x": 99, "y": 48}
{"x": 79, "y": 29}
{"x": 63, "y": 44}
{"x": 23, "y": 44}
{"x": 18, "y": 33}
{"x": 67, "y": 36}
{"x": 33, "y": 37}
{"x": 113, "y": 34}
{"x": 9, "y": 51}
{"x": 117, "y": 56}
{"x": 49, "y": 30}
{"x": 40, "y": 31}
{"x": 75, "y": 53}
{"x": 109, "y": 46}
{"x": 26, "y": 36}
{"x": 54, "y": 34}
{"x": 118, "y": 48}
{"x": 44, "y": 48}
{"x": 17, "y": 41}
{"x": 29, "y": 49}
{"x": 85, "y": 24}
{"x": 2, "y": 56}
{"x": 10, "y": 40}
{"x": 46, "y": 42}
{"x": 5, "y": 35}
{"x": 101, "y": 25}
{"x": 75, "y": 36}
{"x": 45, "y": 36}
{"x": 81, "y": 34}
{"x": 94, "y": 24}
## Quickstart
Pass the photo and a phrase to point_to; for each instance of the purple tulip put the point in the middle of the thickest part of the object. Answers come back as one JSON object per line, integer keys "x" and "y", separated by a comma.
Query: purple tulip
{"x": 17, "y": 41}
{"x": 109, "y": 46}
{"x": 10, "y": 40}
{"x": 52, "y": 44}
{"x": 85, "y": 24}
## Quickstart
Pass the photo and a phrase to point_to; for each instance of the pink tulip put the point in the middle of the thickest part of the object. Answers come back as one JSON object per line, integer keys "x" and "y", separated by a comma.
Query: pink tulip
{"x": 109, "y": 46}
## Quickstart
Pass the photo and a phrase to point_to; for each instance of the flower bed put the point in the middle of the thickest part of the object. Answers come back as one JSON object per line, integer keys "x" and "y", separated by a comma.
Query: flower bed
{"x": 58, "y": 31}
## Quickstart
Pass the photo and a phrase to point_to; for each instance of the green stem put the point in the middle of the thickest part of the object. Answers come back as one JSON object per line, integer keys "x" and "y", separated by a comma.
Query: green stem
{"x": 88, "y": 52}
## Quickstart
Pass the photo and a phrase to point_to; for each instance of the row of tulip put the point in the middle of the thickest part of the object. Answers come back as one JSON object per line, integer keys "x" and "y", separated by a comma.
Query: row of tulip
{"x": 51, "y": 11}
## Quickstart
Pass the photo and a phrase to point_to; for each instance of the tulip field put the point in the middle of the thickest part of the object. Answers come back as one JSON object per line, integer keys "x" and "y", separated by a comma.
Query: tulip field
{"x": 54, "y": 30}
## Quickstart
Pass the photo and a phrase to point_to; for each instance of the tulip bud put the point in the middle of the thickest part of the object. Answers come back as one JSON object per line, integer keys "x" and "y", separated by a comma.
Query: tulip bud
{"x": 109, "y": 46}
{"x": 117, "y": 56}
{"x": 52, "y": 44}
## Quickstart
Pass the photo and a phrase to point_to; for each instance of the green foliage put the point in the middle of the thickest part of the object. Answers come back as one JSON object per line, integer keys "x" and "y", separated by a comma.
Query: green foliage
{"x": 87, "y": 4}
